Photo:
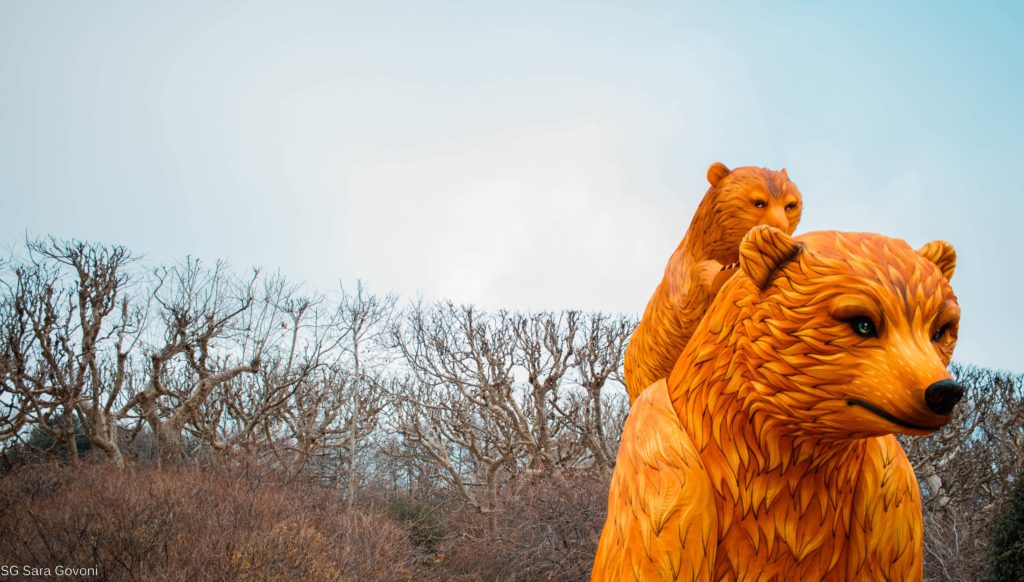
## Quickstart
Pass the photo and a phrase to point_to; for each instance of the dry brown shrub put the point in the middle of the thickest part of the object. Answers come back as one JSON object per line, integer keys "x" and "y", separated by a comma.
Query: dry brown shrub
{"x": 193, "y": 524}
{"x": 548, "y": 531}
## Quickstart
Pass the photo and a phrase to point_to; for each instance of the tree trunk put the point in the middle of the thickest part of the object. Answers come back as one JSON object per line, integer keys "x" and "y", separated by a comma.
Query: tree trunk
{"x": 352, "y": 461}
{"x": 110, "y": 450}
{"x": 169, "y": 443}
{"x": 102, "y": 432}
{"x": 492, "y": 502}
{"x": 70, "y": 434}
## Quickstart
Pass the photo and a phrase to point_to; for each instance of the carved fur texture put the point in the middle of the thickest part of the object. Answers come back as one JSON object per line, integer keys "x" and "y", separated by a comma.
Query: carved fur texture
{"x": 768, "y": 453}
{"x": 708, "y": 255}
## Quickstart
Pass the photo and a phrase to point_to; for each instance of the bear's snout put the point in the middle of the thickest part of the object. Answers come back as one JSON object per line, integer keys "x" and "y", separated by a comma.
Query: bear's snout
{"x": 943, "y": 395}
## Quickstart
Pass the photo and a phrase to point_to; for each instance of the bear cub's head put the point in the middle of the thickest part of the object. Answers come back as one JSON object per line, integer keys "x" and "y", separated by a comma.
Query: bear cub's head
{"x": 748, "y": 196}
{"x": 846, "y": 334}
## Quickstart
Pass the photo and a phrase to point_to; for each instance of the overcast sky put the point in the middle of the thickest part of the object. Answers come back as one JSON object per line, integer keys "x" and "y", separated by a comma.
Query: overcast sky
{"x": 521, "y": 154}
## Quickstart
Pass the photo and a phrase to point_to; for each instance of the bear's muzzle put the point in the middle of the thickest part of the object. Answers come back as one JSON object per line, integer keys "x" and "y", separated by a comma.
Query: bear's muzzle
{"x": 943, "y": 395}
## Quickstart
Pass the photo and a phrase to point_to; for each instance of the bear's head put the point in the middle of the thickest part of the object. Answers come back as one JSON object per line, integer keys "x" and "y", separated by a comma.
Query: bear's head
{"x": 842, "y": 334}
{"x": 746, "y": 197}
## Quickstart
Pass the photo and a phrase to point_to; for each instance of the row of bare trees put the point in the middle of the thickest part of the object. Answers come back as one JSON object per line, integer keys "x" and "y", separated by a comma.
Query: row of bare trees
{"x": 493, "y": 398}
{"x": 194, "y": 359}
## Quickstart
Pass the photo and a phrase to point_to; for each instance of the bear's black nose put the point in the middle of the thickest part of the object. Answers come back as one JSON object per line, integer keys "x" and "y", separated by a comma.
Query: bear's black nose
{"x": 943, "y": 395}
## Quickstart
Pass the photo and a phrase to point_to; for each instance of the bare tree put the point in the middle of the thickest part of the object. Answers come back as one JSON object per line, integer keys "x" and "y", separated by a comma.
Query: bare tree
{"x": 250, "y": 410}
{"x": 472, "y": 451}
{"x": 21, "y": 377}
{"x": 320, "y": 388}
{"x": 312, "y": 418}
{"x": 364, "y": 320}
{"x": 599, "y": 352}
{"x": 198, "y": 310}
{"x": 459, "y": 407}
{"x": 65, "y": 354}
{"x": 544, "y": 350}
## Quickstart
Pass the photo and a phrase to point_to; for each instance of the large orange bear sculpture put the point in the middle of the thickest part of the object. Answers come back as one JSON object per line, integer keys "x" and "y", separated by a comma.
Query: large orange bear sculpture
{"x": 768, "y": 453}
{"x": 736, "y": 201}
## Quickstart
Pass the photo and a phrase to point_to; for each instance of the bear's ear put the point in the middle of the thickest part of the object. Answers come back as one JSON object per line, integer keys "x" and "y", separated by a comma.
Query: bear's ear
{"x": 716, "y": 172}
{"x": 763, "y": 250}
{"x": 942, "y": 254}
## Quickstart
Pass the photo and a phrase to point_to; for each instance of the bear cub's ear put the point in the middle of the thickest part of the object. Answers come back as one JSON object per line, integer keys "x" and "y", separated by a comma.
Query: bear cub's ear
{"x": 763, "y": 250}
{"x": 716, "y": 172}
{"x": 942, "y": 254}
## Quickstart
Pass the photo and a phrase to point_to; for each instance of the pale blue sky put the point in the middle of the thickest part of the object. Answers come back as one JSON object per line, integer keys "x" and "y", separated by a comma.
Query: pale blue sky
{"x": 520, "y": 154}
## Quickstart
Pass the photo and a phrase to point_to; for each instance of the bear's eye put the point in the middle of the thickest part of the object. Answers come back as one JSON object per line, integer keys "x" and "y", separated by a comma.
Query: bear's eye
{"x": 760, "y": 204}
{"x": 863, "y": 326}
{"x": 791, "y": 206}
{"x": 940, "y": 333}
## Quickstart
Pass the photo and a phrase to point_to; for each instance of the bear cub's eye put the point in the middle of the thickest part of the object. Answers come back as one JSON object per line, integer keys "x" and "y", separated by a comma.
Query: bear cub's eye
{"x": 938, "y": 335}
{"x": 760, "y": 204}
{"x": 863, "y": 326}
{"x": 791, "y": 206}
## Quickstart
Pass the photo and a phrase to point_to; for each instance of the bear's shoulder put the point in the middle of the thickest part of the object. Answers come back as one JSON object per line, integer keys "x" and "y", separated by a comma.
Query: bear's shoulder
{"x": 662, "y": 521}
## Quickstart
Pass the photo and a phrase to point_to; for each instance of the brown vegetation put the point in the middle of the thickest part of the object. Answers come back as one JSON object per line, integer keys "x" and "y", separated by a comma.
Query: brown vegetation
{"x": 549, "y": 531}
{"x": 192, "y": 524}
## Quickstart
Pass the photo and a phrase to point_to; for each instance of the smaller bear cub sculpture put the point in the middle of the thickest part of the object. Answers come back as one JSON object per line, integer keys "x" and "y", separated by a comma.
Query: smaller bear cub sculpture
{"x": 737, "y": 200}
